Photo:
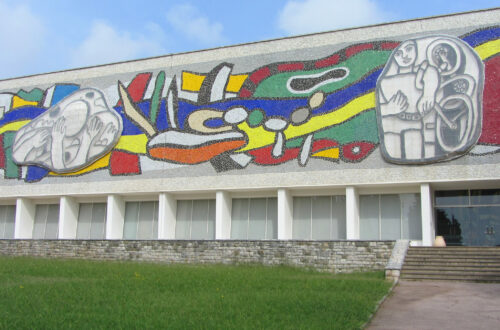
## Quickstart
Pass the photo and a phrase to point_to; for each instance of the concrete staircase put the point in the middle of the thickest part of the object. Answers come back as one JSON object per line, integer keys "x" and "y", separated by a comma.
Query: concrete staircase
{"x": 461, "y": 263}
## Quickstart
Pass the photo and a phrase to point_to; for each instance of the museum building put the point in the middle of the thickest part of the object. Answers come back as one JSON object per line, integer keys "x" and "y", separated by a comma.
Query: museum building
{"x": 375, "y": 133}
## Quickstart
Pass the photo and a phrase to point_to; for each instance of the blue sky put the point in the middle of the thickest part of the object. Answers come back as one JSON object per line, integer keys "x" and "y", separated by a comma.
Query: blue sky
{"x": 45, "y": 36}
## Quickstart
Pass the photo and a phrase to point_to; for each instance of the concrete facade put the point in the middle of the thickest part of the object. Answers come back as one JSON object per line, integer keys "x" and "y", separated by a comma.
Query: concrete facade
{"x": 279, "y": 121}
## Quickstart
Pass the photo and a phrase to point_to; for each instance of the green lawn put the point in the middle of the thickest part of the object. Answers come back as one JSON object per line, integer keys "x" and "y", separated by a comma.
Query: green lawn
{"x": 64, "y": 294}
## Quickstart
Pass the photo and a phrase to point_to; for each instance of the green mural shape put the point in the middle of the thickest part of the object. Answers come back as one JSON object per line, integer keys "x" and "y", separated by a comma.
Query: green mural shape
{"x": 11, "y": 168}
{"x": 35, "y": 95}
{"x": 359, "y": 65}
{"x": 363, "y": 127}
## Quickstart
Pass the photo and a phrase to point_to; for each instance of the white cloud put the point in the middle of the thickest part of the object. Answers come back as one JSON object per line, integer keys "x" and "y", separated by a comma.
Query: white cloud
{"x": 300, "y": 17}
{"x": 22, "y": 36}
{"x": 104, "y": 44}
{"x": 188, "y": 20}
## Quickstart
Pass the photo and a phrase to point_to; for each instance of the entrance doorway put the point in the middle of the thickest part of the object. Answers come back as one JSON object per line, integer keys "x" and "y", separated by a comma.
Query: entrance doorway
{"x": 468, "y": 217}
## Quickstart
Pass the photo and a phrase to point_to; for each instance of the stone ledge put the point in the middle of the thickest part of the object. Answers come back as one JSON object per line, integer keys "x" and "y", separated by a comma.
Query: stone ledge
{"x": 328, "y": 256}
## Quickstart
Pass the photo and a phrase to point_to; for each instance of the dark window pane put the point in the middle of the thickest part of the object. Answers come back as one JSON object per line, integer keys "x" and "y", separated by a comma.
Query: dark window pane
{"x": 452, "y": 197}
{"x": 485, "y": 197}
{"x": 451, "y": 223}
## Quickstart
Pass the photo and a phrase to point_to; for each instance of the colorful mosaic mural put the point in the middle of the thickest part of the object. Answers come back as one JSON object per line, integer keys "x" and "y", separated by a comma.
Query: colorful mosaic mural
{"x": 331, "y": 109}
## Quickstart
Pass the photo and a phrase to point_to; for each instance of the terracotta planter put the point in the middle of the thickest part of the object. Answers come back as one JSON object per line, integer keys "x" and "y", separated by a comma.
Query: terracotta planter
{"x": 439, "y": 242}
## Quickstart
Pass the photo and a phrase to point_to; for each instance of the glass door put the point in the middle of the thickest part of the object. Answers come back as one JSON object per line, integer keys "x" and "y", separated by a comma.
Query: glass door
{"x": 468, "y": 217}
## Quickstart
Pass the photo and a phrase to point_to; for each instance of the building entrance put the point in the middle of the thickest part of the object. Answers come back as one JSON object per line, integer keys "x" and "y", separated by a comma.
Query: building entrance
{"x": 468, "y": 217}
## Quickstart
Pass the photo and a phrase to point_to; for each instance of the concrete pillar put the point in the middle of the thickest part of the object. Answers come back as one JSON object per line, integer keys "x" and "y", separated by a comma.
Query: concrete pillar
{"x": 167, "y": 212}
{"x": 428, "y": 225}
{"x": 68, "y": 217}
{"x": 115, "y": 217}
{"x": 352, "y": 213}
{"x": 25, "y": 218}
{"x": 285, "y": 214}
{"x": 222, "y": 215}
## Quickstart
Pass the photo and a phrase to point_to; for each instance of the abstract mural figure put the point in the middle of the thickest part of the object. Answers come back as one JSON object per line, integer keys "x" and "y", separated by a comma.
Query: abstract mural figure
{"x": 429, "y": 100}
{"x": 70, "y": 135}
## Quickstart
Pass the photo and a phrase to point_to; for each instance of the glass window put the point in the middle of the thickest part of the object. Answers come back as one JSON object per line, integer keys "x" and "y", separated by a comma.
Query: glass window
{"x": 46, "y": 224}
{"x": 91, "y": 221}
{"x": 7, "y": 219}
{"x": 452, "y": 197}
{"x": 411, "y": 215}
{"x": 141, "y": 220}
{"x": 301, "y": 228}
{"x": 390, "y": 217}
{"x": 254, "y": 218}
{"x": 195, "y": 219}
{"x": 485, "y": 197}
{"x": 319, "y": 217}
{"x": 369, "y": 215}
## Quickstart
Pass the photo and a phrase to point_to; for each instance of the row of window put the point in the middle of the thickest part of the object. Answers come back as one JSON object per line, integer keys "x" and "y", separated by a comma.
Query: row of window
{"x": 314, "y": 218}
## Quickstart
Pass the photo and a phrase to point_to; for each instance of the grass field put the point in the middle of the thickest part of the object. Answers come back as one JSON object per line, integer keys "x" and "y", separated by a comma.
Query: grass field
{"x": 66, "y": 294}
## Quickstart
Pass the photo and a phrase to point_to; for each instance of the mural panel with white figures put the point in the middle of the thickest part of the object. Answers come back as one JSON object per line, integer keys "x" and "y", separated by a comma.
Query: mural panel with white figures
{"x": 70, "y": 135}
{"x": 429, "y": 100}
{"x": 422, "y": 100}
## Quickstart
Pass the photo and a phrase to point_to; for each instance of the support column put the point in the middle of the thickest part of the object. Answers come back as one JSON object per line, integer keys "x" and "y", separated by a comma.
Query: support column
{"x": 68, "y": 217}
{"x": 167, "y": 208}
{"x": 115, "y": 217}
{"x": 25, "y": 218}
{"x": 285, "y": 214}
{"x": 428, "y": 225}
{"x": 352, "y": 213}
{"x": 222, "y": 215}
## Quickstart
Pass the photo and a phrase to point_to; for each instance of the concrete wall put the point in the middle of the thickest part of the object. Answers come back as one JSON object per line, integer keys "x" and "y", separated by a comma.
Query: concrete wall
{"x": 293, "y": 112}
{"x": 335, "y": 113}
{"x": 330, "y": 256}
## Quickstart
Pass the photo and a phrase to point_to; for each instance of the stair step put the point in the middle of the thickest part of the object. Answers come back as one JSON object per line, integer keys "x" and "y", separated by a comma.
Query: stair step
{"x": 452, "y": 272}
{"x": 452, "y": 278}
{"x": 465, "y": 254}
{"x": 454, "y": 250}
{"x": 445, "y": 260}
{"x": 460, "y": 248}
{"x": 478, "y": 264}
{"x": 453, "y": 262}
{"x": 450, "y": 268}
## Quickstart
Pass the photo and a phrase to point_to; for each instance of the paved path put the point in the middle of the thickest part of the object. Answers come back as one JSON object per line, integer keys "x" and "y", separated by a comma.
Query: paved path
{"x": 440, "y": 305}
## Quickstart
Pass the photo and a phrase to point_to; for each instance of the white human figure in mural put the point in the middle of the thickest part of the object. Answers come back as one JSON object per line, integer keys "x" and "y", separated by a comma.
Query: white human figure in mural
{"x": 69, "y": 135}
{"x": 406, "y": 98}
{"x": 423, "y": 114}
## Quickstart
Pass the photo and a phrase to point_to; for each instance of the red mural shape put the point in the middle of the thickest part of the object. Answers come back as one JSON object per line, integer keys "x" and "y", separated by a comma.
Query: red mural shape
{"x": 357, "y": 151}
{"x": 263, "y": 156}
{"x": 137, "y": 87}
{"x": 2, "y": 153}
{"x": 123, "y": 163}
{"x": 491, "y": 103}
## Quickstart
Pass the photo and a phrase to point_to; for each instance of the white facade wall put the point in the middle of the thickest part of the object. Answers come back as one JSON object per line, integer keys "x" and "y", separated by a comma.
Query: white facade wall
{"x": 168, "y": 182}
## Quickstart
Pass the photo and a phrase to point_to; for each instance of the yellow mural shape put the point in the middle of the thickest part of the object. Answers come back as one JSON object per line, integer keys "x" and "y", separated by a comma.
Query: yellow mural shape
{"x": 133, "y": 143}
{"x": 98, "y": 164}
{"x": 327, "y": 153}
{"x": 335, "y": 117}
{"x": 235, "y": 82}
{"x": 488, "y": 49}
{"x": 258, "y": 137}
{"x": 15, "y": 126}
{"x": 191, "y": 81}
{"x": 18, "y": 102}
